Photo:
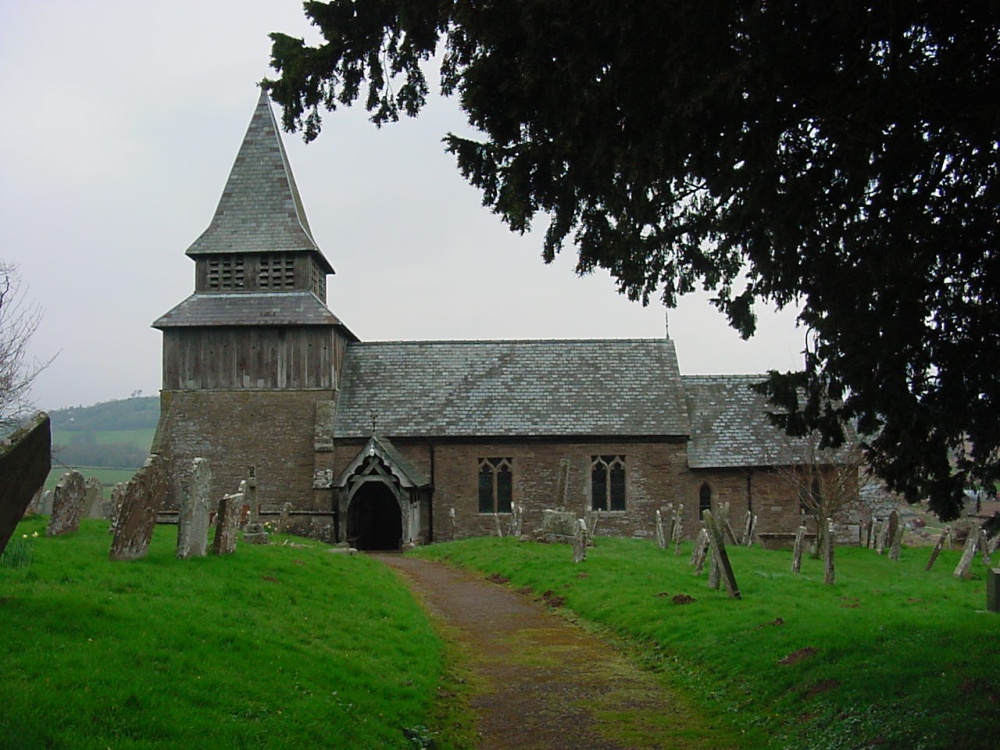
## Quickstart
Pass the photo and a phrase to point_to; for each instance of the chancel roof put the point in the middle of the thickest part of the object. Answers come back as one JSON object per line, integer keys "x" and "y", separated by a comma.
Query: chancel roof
{"x": 730, "y": 427}
{"x": 586, "y": 388}
{"x": 260, "y": 210}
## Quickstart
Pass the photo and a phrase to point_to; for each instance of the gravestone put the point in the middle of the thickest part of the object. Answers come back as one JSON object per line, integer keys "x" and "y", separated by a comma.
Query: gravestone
{"x": 717, "y": 542}
{"x": 67, "y": 504}
{"x": 937, "y": 548}
{"x": 192, "y": 522}
{"x": 969, "y": 552}
{"x": 580, "y": 541}
{"x": 558, "y": 526}
{"x": 117, "y": 500}
{"x": 677, "y": 528}
{"x": 700, "y": 551}
{"x": 752, "y": 530}
{"x": 661, "y": 541}
{"x": 93, "y": 501}
{"x": 829, "y": 573}
{"x": 227, "y": 522}
{"x": 254, "y": 533}
{"x": 25, "y": 461}
{"x": 286, "y": 510}
{"x": 516, "y": 516}
{"x": 897, "y": 542}
{"x": 141, "y": 503}
{"x": 993, "y": 590}
{"x": 800, "y": 537}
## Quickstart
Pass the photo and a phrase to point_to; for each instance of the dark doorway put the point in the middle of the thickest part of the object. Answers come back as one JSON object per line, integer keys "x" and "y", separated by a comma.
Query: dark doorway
{"x": 374, "y": 520}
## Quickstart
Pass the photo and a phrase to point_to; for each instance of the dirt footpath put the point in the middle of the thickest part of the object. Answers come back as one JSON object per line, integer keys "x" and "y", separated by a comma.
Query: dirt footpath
{"x": 542, "y": 682}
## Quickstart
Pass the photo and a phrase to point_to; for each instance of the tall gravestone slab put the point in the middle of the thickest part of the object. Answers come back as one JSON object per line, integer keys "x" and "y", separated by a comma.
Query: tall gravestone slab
{"x": 67, "y": 504}
{"x": 117, "y": 500}
{"x": 25, "y": 461}
{"x": 227, "y": 522}
{"x": 192, "y": 523}
{"x": 142, "y": 501}
{"x": 93, "y": 501}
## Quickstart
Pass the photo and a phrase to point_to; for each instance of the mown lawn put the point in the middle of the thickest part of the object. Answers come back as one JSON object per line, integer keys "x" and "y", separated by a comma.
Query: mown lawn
{"x": 888, "y": 657}
{"x": 278, "y": 646}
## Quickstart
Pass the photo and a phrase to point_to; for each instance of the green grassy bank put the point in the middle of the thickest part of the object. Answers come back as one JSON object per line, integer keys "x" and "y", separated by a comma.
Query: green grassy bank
{"x": 888, "y": 657}
{"x": 278, "y": 646}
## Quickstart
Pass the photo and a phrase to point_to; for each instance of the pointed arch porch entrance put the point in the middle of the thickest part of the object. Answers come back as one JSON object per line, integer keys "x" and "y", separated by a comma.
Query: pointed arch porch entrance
{"x": 380, "y": 495}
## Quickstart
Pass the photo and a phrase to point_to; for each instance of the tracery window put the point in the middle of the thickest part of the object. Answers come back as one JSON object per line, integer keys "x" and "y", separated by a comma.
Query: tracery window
{"x": 226, "y": 272}
{"x": 607, "y": 482}
{"x": 496, "y": 486}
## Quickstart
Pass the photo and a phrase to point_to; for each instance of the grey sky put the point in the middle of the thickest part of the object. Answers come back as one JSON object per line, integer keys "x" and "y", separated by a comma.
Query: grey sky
{"x": 121, "y": 122}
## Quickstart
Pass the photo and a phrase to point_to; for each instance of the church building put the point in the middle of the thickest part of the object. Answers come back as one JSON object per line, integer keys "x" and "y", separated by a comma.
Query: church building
{"x": 388, "y": 444}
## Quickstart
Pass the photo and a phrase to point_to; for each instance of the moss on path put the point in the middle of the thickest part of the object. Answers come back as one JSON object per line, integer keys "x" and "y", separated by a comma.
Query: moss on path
{"x": 541, "y": 682}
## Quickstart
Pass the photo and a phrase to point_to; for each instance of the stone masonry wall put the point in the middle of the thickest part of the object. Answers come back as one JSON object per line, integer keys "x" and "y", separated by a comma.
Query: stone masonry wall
{"x": 273, "y": 430}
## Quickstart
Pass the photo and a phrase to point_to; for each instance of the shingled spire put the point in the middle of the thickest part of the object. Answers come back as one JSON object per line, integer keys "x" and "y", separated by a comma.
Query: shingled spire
{"x": 260, "y": 210}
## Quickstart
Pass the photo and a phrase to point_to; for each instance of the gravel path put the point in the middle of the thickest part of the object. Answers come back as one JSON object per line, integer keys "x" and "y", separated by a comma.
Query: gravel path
{"x": 542, "y": 682}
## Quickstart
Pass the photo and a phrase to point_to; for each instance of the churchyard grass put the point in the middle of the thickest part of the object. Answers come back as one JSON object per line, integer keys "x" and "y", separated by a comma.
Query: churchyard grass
{"x": 890, "y": 656}
{"x": 276, "y": 646}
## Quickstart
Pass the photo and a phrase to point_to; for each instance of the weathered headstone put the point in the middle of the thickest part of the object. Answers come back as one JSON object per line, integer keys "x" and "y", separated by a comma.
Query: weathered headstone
{"x": 286, "y": 510}
{"x": 752, "y": 530}
{"x": 117, "y": 500}
{"x": 993, "y": 590}
{"x": 661, "y": 540}
{"x": 516, "y": 514}
{"x": 897, "y": 542}
{"x": 558, "y": 526}
{"x": 677, "y": 529}
{"x": 700, "y": 551}
{"x": 67, "y": 504}
{"x": 868, "y": 533}
{"x": 227, "y": 522}
{"x": 800, "y": 538}
{"x": 192, "y": 522}
{"x": 969, "y": 552}
{"x": 496, "y": 523}
{"x": 580, "y": 541}
{"x": 984, "y": 546}
{"x": 141, "y": 503}
{"x": 937, "y": 548}
{"x": 93, "y": 501}
{"x": 718, "y": 545}
{"x": 829, "y": 572}
{"x": 454, "y": 526}
{"x": 25, "y": 461}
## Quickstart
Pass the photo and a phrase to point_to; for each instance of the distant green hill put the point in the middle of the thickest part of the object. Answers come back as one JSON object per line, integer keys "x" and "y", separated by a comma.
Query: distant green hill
{"x": 113, "y": 434}
{"x": 124, "y": 414}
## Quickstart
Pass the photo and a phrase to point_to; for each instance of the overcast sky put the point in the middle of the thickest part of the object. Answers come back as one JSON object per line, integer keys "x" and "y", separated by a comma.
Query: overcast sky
{"x": 121, "y": 120}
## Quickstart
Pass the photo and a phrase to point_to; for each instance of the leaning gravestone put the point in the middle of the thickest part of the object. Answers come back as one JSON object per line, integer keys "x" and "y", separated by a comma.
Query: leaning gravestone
{"x": 720, "y": 556}
{"x": 143, "y": 497}
{"x": 227, "y": 523}
{"x": 969, "y": 552}
{"x": 192, "y": 522}
{"x": 800, "y": 536}
{"x": 25, "y": 460}
{"x": 67, "y": 504}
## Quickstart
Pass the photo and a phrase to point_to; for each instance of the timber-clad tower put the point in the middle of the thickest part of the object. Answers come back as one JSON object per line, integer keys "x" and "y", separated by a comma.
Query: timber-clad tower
{"x": 247, "y": 357}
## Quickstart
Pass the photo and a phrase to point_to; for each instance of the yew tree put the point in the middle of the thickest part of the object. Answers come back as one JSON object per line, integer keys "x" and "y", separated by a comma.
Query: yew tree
{"x": 841, "y": 157}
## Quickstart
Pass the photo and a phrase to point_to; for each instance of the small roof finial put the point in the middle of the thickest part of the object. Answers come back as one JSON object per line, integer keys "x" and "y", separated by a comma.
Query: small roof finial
{"x": 666, "y": 322}
{"x": 374, "y": 415}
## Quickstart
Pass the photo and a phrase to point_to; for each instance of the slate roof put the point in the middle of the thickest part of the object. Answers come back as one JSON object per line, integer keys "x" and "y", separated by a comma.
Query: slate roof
{"x": 204, "y": 309}
{"x": 622, "y": 387}
{"x": 260, "y": 210}
{"x": 730, "y": 428}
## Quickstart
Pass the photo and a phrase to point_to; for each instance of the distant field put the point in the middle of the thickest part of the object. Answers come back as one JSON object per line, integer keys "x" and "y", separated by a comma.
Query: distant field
{"x": 108, "y": 477}
{"x": 142, "y": 437}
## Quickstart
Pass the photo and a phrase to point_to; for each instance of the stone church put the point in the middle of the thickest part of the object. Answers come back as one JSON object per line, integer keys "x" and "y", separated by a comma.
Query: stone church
{"x": 388, "y": 444}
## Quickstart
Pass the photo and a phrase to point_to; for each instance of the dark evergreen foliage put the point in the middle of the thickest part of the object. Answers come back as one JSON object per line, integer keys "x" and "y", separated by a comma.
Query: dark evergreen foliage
{"x": 842, "y": 156}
